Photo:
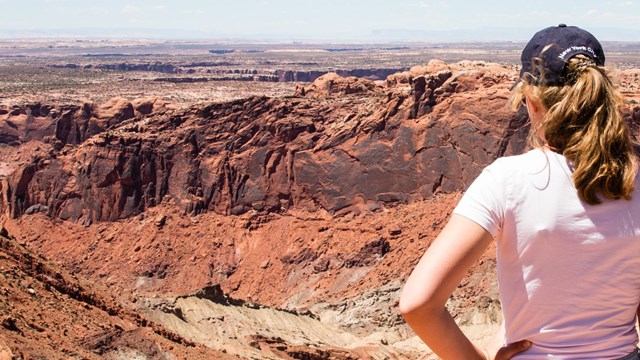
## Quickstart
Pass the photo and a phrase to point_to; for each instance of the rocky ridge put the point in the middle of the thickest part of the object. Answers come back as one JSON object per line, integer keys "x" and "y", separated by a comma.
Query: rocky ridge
{"x": 318, "y": 203}
{"x": 342, "y": 145}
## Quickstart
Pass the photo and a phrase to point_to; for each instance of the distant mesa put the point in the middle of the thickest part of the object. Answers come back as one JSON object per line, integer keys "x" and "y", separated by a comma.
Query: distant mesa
{"x": 203, "y": 71}
{"x": 225, "y": 51}
{"x": 395, "y": 48}
{"x": 278, "y": 75}
{"x": 221, "y": 52}
{"x": 165, "y": 68}
{"x": 344, "y": 49}
{"x": 118, "y": 55}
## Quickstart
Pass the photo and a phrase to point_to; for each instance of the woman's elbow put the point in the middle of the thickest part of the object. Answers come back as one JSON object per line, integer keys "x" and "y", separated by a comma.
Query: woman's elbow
{"x": 412, "y": 305}
{"x": 406, "y": 305}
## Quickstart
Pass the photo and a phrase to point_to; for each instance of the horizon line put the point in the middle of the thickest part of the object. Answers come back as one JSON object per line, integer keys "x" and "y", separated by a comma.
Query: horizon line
{"x": 480, "y": 35}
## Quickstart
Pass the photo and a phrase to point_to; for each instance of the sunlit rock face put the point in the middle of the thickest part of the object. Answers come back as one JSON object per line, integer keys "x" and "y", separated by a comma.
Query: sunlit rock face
{"x": 340, "y": 144}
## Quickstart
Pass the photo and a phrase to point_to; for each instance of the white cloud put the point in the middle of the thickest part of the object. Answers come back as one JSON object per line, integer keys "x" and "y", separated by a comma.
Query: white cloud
{"x": 129, "y": 9}
{"x": 627, "y": 3}
{"x": 592, "y": 12}
{"x": 160, "y": 7}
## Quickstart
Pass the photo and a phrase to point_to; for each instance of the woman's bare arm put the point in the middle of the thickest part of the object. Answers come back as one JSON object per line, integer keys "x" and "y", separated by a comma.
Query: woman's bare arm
{"x": 434, "y": 279}
{"x": 423, "y": 299}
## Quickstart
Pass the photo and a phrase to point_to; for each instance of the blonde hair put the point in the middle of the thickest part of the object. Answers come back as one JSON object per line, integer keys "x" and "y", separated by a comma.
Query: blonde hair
{"x": 584, "y": 123}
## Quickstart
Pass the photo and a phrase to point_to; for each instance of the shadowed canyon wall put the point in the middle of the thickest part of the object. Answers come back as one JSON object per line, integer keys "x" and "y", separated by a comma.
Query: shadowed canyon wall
{"x": 340, "y": 144}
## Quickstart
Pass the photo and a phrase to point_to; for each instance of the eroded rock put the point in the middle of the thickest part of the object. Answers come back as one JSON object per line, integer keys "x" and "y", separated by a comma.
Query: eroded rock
{"x": 347, "y": 145}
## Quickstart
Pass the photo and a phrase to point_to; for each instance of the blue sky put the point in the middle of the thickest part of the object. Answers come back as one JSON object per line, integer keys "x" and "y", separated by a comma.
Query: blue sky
{"x": 326, "y": 19}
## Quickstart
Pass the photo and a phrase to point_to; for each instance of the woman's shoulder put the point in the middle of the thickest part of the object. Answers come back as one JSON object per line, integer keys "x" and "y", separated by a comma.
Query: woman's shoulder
{"x": 535, "y": 159}
{"x": 535, "y": 169}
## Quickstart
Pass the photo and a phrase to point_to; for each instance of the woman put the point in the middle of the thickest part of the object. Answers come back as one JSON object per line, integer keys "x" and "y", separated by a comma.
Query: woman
{"x": 565, "y": 218}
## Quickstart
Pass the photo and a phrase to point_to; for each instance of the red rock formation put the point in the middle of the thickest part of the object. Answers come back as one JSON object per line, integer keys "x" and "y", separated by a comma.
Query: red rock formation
{"x": 70, "y": 124}
{"x": 425, "y": 134}
{"x": 334, "y": 84}
{"x": 342, "y": 144}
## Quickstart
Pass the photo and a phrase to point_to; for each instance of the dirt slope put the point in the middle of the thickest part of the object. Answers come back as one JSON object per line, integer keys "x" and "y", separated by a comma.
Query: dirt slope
{"x": 46, "y": 313}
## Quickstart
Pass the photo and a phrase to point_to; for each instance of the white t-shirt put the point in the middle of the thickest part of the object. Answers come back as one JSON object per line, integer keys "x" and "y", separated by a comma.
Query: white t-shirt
{"x": 568, "y": 272}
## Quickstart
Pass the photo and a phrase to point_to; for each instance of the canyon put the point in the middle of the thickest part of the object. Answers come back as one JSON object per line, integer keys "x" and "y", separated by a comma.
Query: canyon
{"x": 264, "y": 226}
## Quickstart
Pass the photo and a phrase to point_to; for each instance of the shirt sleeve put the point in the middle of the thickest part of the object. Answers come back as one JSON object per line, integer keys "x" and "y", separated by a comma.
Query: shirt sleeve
{"x": 484, "y": 201}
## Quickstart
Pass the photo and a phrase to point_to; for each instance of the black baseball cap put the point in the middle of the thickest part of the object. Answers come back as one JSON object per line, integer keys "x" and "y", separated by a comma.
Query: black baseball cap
{"x": 566, "y": 42}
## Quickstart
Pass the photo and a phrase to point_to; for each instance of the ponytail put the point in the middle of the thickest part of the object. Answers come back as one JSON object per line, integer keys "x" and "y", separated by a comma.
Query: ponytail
{"x": 584, "y": 123}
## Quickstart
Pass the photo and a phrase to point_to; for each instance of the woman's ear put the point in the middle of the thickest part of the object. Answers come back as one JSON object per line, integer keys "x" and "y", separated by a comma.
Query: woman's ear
{"x": 532, "y": 105}
{"x": 536, "y": 110}
{"x": 537, "y": 113}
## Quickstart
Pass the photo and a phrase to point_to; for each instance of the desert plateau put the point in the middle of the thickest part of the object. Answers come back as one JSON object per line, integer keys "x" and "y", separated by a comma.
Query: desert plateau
{"x": 197, "y": 200}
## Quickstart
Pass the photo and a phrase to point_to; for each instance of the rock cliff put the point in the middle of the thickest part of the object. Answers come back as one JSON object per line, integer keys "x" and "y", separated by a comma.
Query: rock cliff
{"x": 340, "y": 144}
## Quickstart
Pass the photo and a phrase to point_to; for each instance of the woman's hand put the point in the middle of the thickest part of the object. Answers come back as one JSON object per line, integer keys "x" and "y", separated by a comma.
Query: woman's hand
{"x": 508, "y": 351}
{"x": 496, "y": 350}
